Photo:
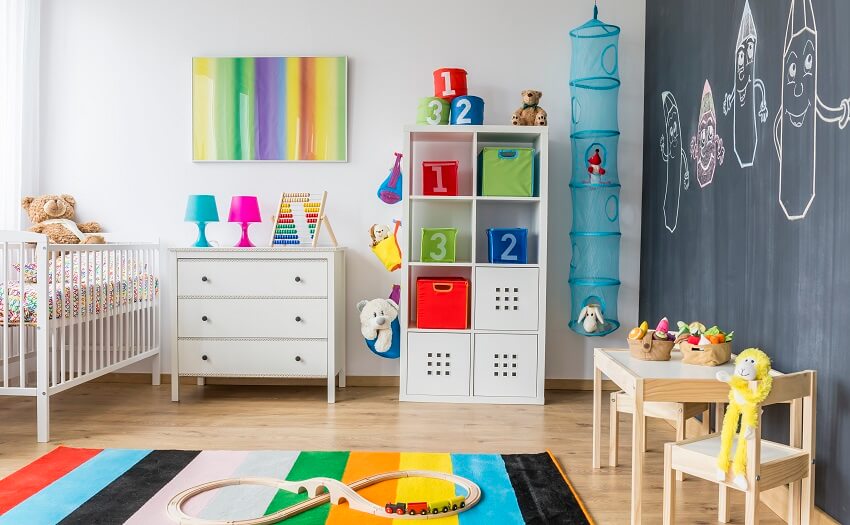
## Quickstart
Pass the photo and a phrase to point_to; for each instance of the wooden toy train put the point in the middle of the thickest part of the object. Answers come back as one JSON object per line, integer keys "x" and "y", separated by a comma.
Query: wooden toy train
{"x": 423, "y": 508}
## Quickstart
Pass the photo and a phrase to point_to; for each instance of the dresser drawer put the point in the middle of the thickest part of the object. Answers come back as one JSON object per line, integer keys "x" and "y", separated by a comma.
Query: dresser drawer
{"x": 253, "y": 358}
{"x": 252, "y": 277}
{"x": 252, "y": 318}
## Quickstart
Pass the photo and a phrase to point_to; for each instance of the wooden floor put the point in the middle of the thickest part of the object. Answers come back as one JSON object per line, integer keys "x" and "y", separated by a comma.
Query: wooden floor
{"x": 277, "y": 417}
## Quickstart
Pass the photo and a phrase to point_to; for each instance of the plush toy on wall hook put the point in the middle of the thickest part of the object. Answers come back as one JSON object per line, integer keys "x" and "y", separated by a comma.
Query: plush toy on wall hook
{"x": 751, "y": 365}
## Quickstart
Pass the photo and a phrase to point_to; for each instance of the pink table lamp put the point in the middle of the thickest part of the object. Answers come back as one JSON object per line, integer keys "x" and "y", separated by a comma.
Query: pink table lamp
{"x": 244, "y": 209}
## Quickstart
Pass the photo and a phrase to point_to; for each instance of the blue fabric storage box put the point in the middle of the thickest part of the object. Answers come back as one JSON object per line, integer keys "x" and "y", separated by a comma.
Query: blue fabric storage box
{"x": 507, "y": 245}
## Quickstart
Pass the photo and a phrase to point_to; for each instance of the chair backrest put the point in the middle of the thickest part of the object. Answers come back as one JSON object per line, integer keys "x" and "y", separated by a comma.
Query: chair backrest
{"x": 788, "y": 387}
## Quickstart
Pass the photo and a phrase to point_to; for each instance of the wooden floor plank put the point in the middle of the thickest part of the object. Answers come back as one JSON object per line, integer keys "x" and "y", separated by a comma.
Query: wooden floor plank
{"x": 364, "y": 418}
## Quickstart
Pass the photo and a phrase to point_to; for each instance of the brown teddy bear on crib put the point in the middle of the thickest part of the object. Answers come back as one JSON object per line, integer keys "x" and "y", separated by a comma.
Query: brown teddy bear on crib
{"x": 530, "y": 114}
{"x": 53, "y": 215}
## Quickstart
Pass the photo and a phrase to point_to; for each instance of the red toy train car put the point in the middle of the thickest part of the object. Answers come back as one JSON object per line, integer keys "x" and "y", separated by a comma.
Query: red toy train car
{"x": 423, "y": 508}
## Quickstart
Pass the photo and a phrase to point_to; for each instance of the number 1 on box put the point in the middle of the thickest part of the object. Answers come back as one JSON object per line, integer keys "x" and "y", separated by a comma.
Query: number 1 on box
{"x": 447, "y": 79}
{"x": 438, "y": 172}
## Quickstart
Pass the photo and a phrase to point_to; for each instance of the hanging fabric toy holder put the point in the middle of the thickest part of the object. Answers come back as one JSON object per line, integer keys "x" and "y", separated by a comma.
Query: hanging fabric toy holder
{"x": 395, "y": 347}
{"x": 390, "y": 190}
{"x": 388, "y": 250}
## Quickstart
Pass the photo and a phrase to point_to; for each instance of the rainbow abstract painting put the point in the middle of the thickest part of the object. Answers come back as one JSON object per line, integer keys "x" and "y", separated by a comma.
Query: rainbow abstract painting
{"x": 269, "y": 108}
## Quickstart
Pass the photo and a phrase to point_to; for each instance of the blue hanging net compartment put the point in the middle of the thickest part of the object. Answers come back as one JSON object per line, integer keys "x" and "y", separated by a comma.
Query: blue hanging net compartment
{"x": 594, "y": 182}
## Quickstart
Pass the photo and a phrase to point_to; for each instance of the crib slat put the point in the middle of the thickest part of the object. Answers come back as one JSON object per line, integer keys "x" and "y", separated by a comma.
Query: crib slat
{"x": 61, "y": 314}
{"x": 22, "y": 327}
{"x": 6, "y": 323}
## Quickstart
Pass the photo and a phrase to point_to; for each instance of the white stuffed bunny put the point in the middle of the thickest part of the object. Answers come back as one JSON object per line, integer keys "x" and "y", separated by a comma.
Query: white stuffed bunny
{"x": 591, "y": 318}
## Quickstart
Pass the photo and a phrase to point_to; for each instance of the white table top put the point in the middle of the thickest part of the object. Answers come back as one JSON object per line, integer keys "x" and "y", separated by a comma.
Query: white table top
{"x": 672, "y": 369}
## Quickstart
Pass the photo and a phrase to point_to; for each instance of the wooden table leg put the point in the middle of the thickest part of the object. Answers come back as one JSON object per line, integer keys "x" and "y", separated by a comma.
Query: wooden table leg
{"x": 638, "y": 433}
{"x": 597, "y": 416}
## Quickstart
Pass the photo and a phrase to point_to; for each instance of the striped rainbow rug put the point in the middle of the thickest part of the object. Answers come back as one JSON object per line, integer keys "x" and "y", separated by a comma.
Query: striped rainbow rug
{"x": 112, "y": 486}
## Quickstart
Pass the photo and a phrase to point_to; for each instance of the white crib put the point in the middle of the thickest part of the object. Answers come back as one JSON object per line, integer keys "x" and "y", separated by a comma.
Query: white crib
{"x": 82, "y": 311}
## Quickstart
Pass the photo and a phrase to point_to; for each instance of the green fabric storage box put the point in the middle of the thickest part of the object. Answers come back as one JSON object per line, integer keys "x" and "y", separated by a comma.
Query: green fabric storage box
{"x": 506, "y": 172}
{"x": 438, "y": 244}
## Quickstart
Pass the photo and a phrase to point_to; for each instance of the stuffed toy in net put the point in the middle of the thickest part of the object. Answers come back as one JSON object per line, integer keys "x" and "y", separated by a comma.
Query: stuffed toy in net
{"x": 385, "y": 245}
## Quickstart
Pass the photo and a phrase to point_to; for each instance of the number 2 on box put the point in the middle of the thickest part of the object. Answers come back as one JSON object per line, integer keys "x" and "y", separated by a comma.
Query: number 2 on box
{"x": 464, "y": 106}
{"x": 507, "y": 255}
{"x": 447, "y": 84}
{"x": 441, "y": 240}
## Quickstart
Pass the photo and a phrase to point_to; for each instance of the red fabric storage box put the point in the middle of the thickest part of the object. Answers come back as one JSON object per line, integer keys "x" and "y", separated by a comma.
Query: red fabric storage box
{"x": 450, "y": 82}
{"x": 442, "y": 302}
{"x": 439, "y": 177}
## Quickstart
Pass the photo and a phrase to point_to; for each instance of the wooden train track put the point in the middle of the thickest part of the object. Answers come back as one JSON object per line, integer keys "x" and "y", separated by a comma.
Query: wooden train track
{"x": 320, "y": 491}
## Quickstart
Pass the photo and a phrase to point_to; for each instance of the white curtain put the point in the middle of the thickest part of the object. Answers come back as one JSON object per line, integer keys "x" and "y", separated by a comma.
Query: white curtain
{"x": 19, "y": 63}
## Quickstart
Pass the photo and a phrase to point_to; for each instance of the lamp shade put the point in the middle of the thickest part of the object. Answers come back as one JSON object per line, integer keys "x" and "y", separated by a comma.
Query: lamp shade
{"x": 201, "y": 208}
{"x": 244, "y": 208}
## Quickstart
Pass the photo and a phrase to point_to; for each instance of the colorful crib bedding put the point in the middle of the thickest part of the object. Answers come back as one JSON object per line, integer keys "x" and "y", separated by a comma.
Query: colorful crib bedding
{"x": 95, "y": 285}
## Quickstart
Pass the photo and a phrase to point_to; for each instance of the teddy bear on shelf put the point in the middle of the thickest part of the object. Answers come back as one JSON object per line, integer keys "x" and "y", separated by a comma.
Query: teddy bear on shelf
{"x": 530, "y": 114}
{"x": 376, "y": 320}
{"x": 751, "y": 365}
{"x": 53, "y": 215}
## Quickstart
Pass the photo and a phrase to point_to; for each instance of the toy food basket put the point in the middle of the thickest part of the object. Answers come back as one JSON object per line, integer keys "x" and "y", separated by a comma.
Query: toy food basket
{"x": 650, "y": 349}
{"x": 705, "y": 355}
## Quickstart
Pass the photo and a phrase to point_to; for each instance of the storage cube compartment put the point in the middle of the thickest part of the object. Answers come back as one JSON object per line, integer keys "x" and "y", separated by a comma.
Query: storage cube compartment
{"x": 505, "y": 365}
{"x": 439, "y": 147}
{"x": 442, "y": 303}
{"x": 439, "y": 177}
{"x": 417, "y": 272}
{"x": 506, "y": 298}
{"x": 507, "y": 215}
{"x": 438, "y": 364}
{"x": 438, "y": 244}
{"x": 506, "y": 171}
{"x": 507, "y": 245}
{"x": 440, "y": 214}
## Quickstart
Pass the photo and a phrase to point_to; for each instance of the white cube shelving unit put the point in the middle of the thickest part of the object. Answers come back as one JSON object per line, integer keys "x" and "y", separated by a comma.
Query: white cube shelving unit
{"x": 500, "y": 356}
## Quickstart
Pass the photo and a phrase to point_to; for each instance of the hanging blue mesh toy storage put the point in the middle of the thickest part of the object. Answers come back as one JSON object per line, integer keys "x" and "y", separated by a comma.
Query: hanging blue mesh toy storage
{"x": 595, "y": 182}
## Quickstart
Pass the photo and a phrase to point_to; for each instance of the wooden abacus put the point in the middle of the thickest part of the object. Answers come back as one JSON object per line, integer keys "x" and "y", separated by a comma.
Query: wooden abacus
{"x": 300, "y": 218}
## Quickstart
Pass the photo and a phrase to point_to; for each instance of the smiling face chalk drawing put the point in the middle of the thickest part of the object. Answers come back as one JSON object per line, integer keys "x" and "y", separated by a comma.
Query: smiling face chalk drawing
{"x": 707, "y": 146}
{"x": 675, "y": 159}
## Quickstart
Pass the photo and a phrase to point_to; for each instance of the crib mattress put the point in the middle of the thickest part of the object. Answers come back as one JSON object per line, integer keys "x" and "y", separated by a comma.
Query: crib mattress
{"x": 76, "y": 299}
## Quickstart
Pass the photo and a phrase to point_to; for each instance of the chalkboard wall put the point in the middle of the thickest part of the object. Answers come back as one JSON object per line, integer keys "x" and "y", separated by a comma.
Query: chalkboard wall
{"x": 755, "y": 244}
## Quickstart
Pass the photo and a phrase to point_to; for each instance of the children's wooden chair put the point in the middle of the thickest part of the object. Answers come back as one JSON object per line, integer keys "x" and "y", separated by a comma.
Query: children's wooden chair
{"x": 769, "y": 464}
{"x": 676, "y": 413}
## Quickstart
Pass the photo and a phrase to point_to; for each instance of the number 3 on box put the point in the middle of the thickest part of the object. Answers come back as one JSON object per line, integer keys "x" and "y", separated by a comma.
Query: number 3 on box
{"x": 441, "y": 240}
{"x": 436, "y": 112}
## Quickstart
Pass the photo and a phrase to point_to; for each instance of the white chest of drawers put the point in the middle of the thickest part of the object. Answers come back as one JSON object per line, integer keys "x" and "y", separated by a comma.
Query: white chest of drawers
{"x": 258, "y": 312}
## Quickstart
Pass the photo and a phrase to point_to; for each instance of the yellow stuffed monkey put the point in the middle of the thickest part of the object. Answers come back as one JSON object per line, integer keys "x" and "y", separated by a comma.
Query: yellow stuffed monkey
{"x": 751, "y": 365}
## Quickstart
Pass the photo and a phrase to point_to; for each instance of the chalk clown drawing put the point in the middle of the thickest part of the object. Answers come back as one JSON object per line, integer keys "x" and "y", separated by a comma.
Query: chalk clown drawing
{"x": 742, "y": 100}
{"x": 707, "y": 146}
{"x": 794, "y": 128}
{"x": 673, "y": 153}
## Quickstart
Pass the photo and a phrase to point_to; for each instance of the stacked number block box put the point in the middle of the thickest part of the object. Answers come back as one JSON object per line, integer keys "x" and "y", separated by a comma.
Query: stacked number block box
{"x": 595, "y": 235}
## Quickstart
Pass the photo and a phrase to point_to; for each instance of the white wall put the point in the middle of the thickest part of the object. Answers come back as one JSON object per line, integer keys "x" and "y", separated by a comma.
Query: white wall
{"x": 115, "y": 122}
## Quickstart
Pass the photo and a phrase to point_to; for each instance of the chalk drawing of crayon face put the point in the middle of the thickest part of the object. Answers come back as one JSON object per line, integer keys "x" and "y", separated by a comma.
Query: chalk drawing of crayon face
{"x": 794, "y": 127}
{"x": 707, "y": 146}
{"x": 742, "y": 100}
{"x": 675, "y": 158}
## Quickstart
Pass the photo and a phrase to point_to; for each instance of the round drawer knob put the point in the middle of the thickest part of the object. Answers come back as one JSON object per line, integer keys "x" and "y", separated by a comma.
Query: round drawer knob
{"x": 204, "y": 318}
{"x": 297, "y": 318}
{"x": 297, "y": 279}
{"x": 204, "y": 357}
{"x": 204, "y": 278}
{"x": 298, "y": 358}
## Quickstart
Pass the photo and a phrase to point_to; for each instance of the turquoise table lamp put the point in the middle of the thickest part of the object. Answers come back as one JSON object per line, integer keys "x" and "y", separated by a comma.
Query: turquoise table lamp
{"x": 201, "y": 209}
